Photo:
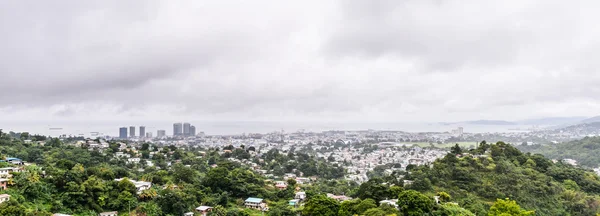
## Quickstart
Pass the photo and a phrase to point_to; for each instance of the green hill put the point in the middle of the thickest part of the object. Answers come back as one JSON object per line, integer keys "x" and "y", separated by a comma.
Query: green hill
{"x": 476, "y": 179}
{"x": 585, "y": 151}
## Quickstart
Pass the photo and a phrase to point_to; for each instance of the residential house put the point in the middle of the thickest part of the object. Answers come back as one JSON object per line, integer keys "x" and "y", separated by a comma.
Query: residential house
{"x": 140, "y": 185}
{"x": 203, "y": 210}
{"x": 255, "y": 203}
{"x": 300, "y": 195}
{"x": 3, "y": 183}
{"x": 281, "y": 185}
{"x": 113, "y": 213}
{"x": 5, "y": 172}
{"x": 339, "y": 198}
{"x": 294, "y": 202}
{"x": 301, "y": 180}
{"x": 4, "y": 198}
{"x": 133, "y": 160}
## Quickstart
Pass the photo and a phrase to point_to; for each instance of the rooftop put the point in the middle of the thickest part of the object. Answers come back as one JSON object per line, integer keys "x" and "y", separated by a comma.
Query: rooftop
{"x": 203, "y": 208}
{"x": 254, "y": 200}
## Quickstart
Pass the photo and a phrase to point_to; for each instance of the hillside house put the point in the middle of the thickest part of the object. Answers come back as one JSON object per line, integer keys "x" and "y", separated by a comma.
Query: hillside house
{"x": 113, "y": 213}
{"x": 4, "y": 198}
{"x": 281, "y": 185}
{"x": 300, "y": 195}
{"x": 5, "y": 172}
{"x": 255, "y": 203}
{"x": 3, "y": 183}
{"x": 203, "y": 210}
{"x": 140, "y": 185}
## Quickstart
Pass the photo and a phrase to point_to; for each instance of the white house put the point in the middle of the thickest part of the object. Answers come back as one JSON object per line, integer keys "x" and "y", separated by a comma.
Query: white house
{"x": 4, "y": 198}
{"x": 133, "y": 160}
{"x": 255, "y": 203}
{"x": 113, "y": 213}
{"x": 140, "y": 185}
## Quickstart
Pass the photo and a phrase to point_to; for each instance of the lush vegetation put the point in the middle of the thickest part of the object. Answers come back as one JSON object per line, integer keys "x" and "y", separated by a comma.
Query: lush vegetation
{"x": 478, "y": 177}
{"x": 585, "y": 151}
{"x": 492, "y": 179}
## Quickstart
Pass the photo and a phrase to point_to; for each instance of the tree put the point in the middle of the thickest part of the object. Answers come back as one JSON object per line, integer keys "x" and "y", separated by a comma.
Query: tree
{"x": 374, "y": 189}
{"x": 365, "y": 205}
{"x": 456, "y": 149}
{"x": 12, "y": 207}
{"x": 375, "y": 212}
{"x": 451, "y": 209}
{"x": 443, "y": 196}
{"x": 508, "y": 207}
{"x": 145, "y": 147}
{"x": 348, "y": 207}
{"x": 413, "y": 203}
{"x": 321, "y": 205}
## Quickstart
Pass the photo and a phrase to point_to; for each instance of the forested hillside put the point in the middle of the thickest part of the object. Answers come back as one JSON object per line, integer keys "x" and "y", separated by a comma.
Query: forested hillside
{"x": 586, "y": 151}
{"x": 494, "y": 179}
{"x": 476, "y": 178}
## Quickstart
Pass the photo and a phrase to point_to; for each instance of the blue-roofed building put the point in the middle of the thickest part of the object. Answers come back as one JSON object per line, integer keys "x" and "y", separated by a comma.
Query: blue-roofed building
{"x": 13, "y": 160}
{"x": 255, "y": 203}
{"x": 294, "y": 202}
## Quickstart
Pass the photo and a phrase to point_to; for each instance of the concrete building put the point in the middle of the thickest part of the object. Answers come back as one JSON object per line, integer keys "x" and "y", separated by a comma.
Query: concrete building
{"x": 142, "y": 131}
{"x": 123, "y": 133}
{"x": 177, "y": 129}
{"x": 4, "y": 198}
{"x": 186, "y": 129}
{"x": 131, "y": 131}
{"x": 192, "y": 130}
{"x": 161, "y": 133}
{"x": 148, "y": 134}
{"x": 255, "y": 203}
{"x": 114, "y": 213}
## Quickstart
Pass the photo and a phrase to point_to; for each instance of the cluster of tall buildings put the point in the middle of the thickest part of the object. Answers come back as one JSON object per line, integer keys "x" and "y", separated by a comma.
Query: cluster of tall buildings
{"x": 142, "y": 133}
{"x": 179, "y": 130}
{"x": 185, "y": 129}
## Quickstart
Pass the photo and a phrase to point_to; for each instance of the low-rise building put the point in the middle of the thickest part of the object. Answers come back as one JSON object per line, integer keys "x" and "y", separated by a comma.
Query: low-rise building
{"x": 3, "y": 183}
{"x": 4, "y": 198}
{"x": 281, "y": 185}
{"x": 203, "y": 210}
{"x": 255, "y": 203}
{"x": 113, "y": 213}
{"x": 140, "y": 185}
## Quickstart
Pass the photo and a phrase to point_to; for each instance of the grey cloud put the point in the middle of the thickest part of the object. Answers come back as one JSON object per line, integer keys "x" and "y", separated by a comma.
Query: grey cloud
{"x": 300, "y": 60}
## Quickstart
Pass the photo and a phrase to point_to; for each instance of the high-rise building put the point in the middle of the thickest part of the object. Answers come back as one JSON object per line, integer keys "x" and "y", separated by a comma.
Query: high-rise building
{"x": 142, "y": 131}
{"x": 192, "y": 130}
{"x": 131, "y": 131}
{"x": 161, "y": 133}
{"x": 186, "y": 129}
{"x": 149, "y": 135}
{"x": 123, "y": 133}
{"x": 177, "y": 129}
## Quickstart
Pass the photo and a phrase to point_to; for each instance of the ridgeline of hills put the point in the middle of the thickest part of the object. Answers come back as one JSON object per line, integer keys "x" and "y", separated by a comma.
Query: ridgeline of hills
{"x": 556, "y": 121}
{"x": 475, "y": 179}
{"x": 585, "y": 151}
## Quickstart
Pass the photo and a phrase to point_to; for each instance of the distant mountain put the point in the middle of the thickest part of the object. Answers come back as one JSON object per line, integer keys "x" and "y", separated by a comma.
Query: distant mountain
{"x": 591, "y": 120}
{"x": 553, "y": 121}
{"x": 481, "y": 122}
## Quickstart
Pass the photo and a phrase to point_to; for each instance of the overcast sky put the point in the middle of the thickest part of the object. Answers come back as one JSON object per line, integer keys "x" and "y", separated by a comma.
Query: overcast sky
{"x": 350, "y": 60}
